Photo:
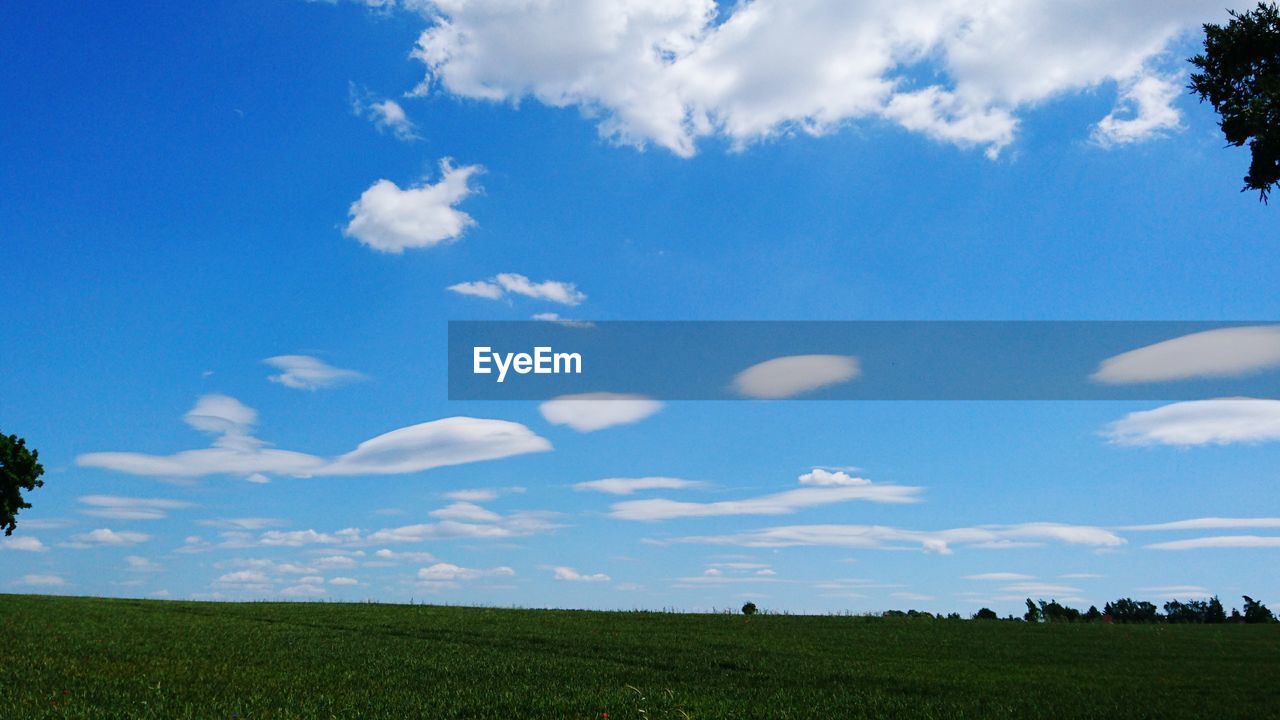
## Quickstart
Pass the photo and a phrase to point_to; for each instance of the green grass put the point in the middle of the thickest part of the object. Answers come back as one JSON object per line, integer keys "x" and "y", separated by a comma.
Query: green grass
{"x": 96, "y": 658}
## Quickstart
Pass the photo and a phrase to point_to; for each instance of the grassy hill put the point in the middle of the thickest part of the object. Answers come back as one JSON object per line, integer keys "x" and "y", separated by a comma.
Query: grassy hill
{"x": 98, "y": 658}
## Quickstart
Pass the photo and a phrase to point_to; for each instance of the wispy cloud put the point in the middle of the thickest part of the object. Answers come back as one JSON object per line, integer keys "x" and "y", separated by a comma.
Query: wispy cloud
{"x": 502, "y": 284}
{"x": 107, "y": 537}
{"x": 794, "y": 375}
{"x": 568, "y": 574}
{"x": 438, "y": 443}
{"x": 1225, "y": 352}
{"x": 880, "y": 537}
{"x": 115, "y": 507}
{"x": 830, "y": 488}
{"x": 386, "y": 115}
{"x": 1222, "y": 421}
{"x": 588, "y": 412}
{"x": 629, "y": 486}
{"x": 1219, "y": 541}
{"x": 303, "y": 372}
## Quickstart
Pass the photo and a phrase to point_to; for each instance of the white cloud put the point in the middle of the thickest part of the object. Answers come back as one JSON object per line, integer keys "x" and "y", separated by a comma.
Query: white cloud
{"x": 245, "y": 577}
{"x": 307, "y": 590}
{"x": 794, "y": 375}
{"x": 588, "y": 412}
{"x": 1174, "y": 592}
{"x": 828, "y": 478}
{"x": 42, "y": 580}
{"x": 1000, "y": 576}
{"x": 495, "y": 288}
{"x": 879, "y": 537}
{"x": 128, "y": 508}
{"x": 448, "y": 572}
{"x": 390, "y": 219}
{"x": 299, "y": 538}
{"x": 1144, "y": 111}
{"x": 519, "y": 524}
{"x": 303, "y": 372}
{"x": 1219, "y": 541}
{"x": 562, "y": 321}
{"x": 481, "y": 494}
{"x": 479, "y": 288}
{"x": 221, "y": 415}
{"x": 106, "y": 536}
{"x": 1042, "y": 589}
{"x": 1221, "y": 353}
{"x": 343, "y": 581}
{"x": 628, "y": 486}
{"x": 1221, "y": 421}
{"x": 568, "y": 574}
{"x": 438, "y": 443}
{"x": 244, "y": 523}
{"x": 22, "y": 543}
{"x": 775, "y": 504}
{"x": 137, "y": 563}
{"x": 386, "y": 115}
{"x": 466, "y": 512}
{"x": 676, "y": 71}
{"x": 1210, "y": 523}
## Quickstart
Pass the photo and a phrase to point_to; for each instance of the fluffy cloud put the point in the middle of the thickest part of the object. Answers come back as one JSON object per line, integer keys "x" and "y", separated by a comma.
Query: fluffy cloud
{"x": 1225, "y": 352}
{"x": 556, "y": 291}
{"x": 879, "y": 537}
{"x": 775, "y": 504}
{"x": 128, "y": 508}
{"x": 675, "y": 71}
{"x": 1219, "y": 541}
{"x": 438, "y": 443}
{"x": 568, "y": 574}
{"x": 1221, "y": 421}
{"x": 449, "y": 573}
{"x": 386, "y": 115}
{"x": 628, "y": 486}
{"x": 786, "y": 377}
{"x": 588, "y": 412}
{"x": 829, "y": 478}
{"x": 303, "y": 372}
{"x": 390, "y": 219}
{"x": 481, "y": 494}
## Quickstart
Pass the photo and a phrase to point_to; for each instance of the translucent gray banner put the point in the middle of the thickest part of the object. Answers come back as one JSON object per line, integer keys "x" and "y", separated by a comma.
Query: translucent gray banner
{"x": 864, "y": 360}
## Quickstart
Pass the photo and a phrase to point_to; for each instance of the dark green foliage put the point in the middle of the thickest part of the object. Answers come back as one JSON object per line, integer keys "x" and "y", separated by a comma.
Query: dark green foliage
{"x": 1033, "y": 612}
{"x": 1093, "y": 615}
{"x": 986, "y": 614}
{"x": 1195, "y": 611}
{"x": 1240, "y": 76}
{"x": 1053, "y": 612}
{"x": 749, "y": 609}
{"x": 19, "y": 470}
{"x": 1256, "y": 612}
{"x": 1127, "y": 610}
{"x": 93, "y": 659}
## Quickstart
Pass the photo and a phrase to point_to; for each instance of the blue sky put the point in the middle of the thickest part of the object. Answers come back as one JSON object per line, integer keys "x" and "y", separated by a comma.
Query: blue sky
{"x": 194, "y": 189}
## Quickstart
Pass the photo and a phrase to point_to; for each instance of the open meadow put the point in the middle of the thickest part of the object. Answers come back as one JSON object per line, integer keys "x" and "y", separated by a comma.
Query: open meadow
{"x": 65, "y": 657}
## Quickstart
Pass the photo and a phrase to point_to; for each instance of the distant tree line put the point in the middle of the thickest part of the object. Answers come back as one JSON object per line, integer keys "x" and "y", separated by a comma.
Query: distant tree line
{"x": 1130, "y": 611}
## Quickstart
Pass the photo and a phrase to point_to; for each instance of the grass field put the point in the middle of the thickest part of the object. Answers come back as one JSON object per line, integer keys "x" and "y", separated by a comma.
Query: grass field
{"x": 96, "y": 658}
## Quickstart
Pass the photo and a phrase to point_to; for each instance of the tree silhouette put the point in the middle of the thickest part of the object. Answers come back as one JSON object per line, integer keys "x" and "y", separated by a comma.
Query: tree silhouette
{"x": 19, "y": 470}
{"x": 1240, "y": 76}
